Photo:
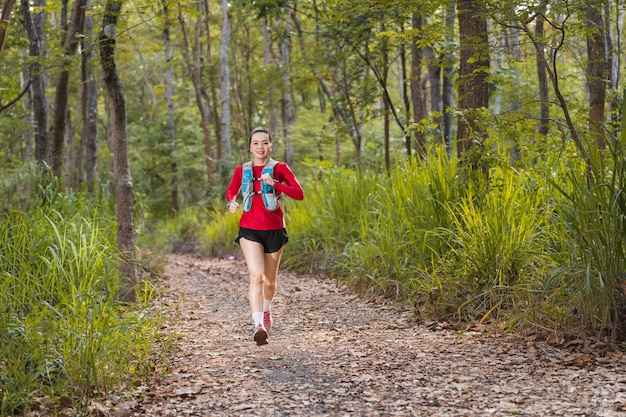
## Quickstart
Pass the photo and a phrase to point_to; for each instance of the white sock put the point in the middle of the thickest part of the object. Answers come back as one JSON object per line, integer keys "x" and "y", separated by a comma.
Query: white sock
{"x": 258, "y": 318}
{"x": 266, "y": 305}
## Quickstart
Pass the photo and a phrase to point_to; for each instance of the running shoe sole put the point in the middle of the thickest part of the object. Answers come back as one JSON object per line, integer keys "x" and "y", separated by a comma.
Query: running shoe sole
{"x": 260, "y": 336}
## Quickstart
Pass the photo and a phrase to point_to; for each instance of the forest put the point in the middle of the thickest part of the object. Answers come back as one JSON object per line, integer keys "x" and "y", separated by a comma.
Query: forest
{"x": 466, "y": 157}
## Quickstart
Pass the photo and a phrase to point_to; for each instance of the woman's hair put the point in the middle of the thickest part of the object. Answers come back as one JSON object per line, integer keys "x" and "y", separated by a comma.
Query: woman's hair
{"x": 259, "y": 130}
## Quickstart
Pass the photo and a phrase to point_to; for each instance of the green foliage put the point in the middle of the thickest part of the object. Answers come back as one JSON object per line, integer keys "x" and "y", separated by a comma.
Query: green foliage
{"x": 210, "y": 230}
{"x": 334, "y": 201}
{"x": 508, "y": 248}
{"x": 595, "y": 216}
{"x": 379, "y": 227}
{"x": 62, "y": 330}
{"x": 220, "y": 232}
{"x": 18, "y": 187}
{"x": 498, "y": 241}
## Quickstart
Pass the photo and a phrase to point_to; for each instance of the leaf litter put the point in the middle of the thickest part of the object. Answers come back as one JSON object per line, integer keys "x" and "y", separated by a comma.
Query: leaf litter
{"x": 331, "y": 353}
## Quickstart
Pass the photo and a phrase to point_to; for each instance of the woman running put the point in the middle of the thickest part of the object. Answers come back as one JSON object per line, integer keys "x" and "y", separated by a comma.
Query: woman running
{"x": 262, "y": 234}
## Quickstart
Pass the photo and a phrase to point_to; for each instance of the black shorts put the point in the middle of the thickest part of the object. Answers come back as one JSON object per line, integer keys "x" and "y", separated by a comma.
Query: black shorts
{"x": 272, "y": 240}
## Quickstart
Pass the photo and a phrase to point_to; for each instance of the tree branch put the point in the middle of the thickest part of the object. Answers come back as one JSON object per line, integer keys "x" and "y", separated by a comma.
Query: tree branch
{"x": 16, "y": 99}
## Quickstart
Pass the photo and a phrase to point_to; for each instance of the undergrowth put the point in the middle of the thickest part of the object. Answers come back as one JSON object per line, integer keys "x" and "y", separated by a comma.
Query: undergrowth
{"x": 63, "y": 331}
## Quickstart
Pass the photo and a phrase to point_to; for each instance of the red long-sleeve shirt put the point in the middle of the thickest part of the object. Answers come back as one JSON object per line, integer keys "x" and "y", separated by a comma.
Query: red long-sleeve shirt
{"x": 259, "y": 217}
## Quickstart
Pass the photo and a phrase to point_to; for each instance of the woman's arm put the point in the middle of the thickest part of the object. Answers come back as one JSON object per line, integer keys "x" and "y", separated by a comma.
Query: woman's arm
{"x": 235, "y": 185}
{"x": 288, "y": 184}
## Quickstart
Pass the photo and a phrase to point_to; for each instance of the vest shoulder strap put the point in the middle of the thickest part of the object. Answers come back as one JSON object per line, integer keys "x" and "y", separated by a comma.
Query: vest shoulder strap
{"x": 247, "y": 186}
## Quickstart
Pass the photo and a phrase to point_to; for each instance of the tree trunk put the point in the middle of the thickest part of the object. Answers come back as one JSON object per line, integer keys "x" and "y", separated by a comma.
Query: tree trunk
{"x": 542, "y": 79}
{"x": 340, "y": 114}
{"x": 513, "y": 43}
{"x": 288, "y": 110}
{"x": 357, "y": 138}
{"x": 241, "y": 109}
{"x": 34, "y": 27}
{"x": 192, "y": 60}
{"x": 448, "y": 81}
{"x": 405, "y": 81}
{"x": 70, "y": 46}
{"x": 124, "y": 194}
{"x": 27, "y": 105}
{"x": 615, "y": 31}
{"x": 268, "y": 58}
{"x": 473, "y": 72}
{"x": 212, "y": 75}
{"x": 171, "y": 118}
{"x": 386, "y": 104}
{"x": 225, "y": 90}
{"x": 5, "y": 18}
{"x": 70, "y": 158}
{"x": 89, "y": 136}
{"x": 597, "y": 71}
{"x": 419, "y": 112}
{"x": 434, "y": 83}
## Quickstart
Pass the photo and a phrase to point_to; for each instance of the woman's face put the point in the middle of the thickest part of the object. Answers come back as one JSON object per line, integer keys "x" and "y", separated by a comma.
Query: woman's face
{"x": 260, "y": 145}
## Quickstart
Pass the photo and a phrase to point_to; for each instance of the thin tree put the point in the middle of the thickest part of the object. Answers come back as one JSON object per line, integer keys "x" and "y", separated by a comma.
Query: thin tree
{"x": 614, "y": 23}
{"x": 542, "y": 77}
{"x": 169, "y": 92}
{"x": 405, "y": 81}
{"x": 447, "y": 97}
{"x": 5, "y": 19}
{"x": 384, "y": 77}
{"x": 89, "y": 136}
{"x": 269, "y": 56}
{"x": 340, "y": 113}
{"x": 124, "y": 194}
{"x": 551, "y": 70}
{"x": 213, "y": 84}
{"x": 597, "y": 70}
{"x": 70, "y": 46}
{"x": 191, "y": 54}
{"x": 225, "y": 151}
{"x": 419, "y": 112}
{"x": 288, "y": 110}
{"x": 473, "y": 72}
{"x": 34, "y": 28}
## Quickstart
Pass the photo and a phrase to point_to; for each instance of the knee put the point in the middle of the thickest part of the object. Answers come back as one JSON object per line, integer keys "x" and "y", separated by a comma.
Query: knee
{"x": 269, "y": 284}
{"x": 256, "y": 279}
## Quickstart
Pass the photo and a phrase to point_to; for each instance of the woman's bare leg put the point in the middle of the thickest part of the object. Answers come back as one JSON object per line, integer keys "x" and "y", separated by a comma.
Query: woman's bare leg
{"x": 272, "y": 263}
{"x": 255, "y": 259}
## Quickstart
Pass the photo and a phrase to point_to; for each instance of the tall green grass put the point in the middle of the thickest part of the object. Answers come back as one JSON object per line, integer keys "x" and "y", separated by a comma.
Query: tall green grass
{"x": 328, "y": 220}
{"x": 62, "y": 330}
{"x": 219, "y": 232}
{"x": 511, "y": 248}
{"x": 499, "y": 242}
{"x": 399, "y": 235}
{"x": 595, "y": 216}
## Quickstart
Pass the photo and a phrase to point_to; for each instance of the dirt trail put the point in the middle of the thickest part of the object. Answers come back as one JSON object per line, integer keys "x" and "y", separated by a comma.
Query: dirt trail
{"x": 333, "y": 354}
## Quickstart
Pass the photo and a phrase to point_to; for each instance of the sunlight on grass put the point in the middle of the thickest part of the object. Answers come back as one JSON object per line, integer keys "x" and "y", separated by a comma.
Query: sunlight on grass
{"x": 63, "y": 329}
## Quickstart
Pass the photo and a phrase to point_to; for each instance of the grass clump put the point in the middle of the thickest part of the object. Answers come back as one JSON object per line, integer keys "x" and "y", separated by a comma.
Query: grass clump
{"x": 63, "y": 331}
{"x": 594, "y": 215}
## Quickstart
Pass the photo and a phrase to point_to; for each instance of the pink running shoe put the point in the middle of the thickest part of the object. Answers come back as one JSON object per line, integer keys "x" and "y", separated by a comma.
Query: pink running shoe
{"x": 260, "y": 335}
{"x": 267, "y": 320}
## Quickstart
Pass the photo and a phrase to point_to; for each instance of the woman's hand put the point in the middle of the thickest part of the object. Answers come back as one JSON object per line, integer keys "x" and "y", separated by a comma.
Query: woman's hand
{"x": 267, "y": 179}
{"x": 233, "y": 207}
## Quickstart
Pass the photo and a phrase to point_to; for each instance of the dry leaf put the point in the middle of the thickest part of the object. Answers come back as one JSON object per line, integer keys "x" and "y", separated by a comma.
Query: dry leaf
{"x": 581, "y": 360}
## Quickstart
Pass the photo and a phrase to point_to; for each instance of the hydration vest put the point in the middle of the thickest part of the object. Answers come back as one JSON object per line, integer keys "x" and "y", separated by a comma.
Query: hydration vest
{"x": 270, "y": 199}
